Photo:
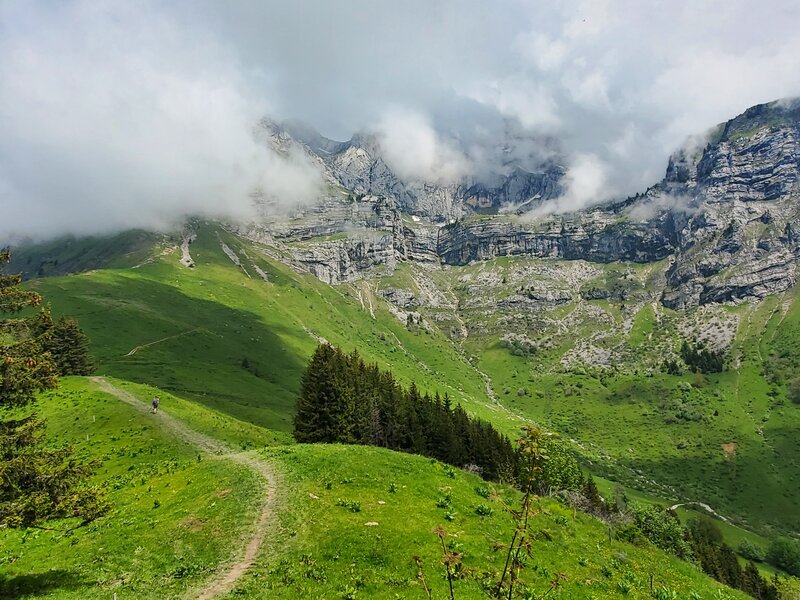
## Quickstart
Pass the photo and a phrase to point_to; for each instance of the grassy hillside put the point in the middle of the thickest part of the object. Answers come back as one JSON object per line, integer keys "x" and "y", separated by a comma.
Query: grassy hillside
{"x": 189, "y": 331}
{"x": 591, "y": 369}
{"x": 71, "y": 255}
{"x": 176, "y": 511}
{"x": 179, "y": 513}
{"x": 329, "y": 551}
{"x": 235, "y": 338}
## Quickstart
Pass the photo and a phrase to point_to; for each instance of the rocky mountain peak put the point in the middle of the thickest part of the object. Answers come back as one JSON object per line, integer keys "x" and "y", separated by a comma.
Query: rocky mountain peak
{"x": 722, "y": 225}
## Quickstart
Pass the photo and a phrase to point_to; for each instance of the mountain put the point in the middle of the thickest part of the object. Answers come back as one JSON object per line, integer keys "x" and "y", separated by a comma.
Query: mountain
{"x": 576, "y": 322}
{"x": 726, "y": 216}
{"x": 360, "y": 165}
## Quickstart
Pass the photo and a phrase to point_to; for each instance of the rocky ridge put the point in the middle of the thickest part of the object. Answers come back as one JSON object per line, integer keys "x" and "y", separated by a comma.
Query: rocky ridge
{"x": 725, "y": 218}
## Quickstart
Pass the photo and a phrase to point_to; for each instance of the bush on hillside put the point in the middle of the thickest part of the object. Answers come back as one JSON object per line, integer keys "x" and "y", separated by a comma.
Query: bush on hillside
{"x": 785, "y": 554}
{"x": 752, "y": 551}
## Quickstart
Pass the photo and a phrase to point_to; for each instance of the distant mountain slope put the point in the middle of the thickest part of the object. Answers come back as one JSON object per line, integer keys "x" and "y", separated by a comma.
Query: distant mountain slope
{"x": 74, "y": 255}
{"x": 575, "y": 321}
{"x": 726, "y": 215}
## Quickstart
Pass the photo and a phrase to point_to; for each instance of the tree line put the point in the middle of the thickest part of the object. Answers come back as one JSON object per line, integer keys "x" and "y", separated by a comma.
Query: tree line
{"x": 700, "y": 359}
{"x": 700, "y": 541}
{"x": 719, "y": 560}
{"x": 345, "y": 400}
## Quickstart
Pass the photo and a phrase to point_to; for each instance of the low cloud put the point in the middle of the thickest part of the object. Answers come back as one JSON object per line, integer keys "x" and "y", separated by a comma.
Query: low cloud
{"x": 649, "y": 207}
{"x": 585, "y": 183}
{"x": 132, "y": 114}
{"x": 415, "y": 151}
{"x": 112, "y": 119}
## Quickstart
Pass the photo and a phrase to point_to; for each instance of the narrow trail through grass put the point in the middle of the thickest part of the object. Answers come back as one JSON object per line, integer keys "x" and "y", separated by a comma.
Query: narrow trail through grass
{"x": 171, "y": 337}
{"x": 228, "y": 575}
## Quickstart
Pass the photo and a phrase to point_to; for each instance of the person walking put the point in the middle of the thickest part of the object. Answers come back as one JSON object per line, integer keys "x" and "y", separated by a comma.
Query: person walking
{"x": 156, "y": 401}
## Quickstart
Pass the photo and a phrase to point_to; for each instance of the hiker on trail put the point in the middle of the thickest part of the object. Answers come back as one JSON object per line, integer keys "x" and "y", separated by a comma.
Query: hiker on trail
{"x": 155, "y": 404}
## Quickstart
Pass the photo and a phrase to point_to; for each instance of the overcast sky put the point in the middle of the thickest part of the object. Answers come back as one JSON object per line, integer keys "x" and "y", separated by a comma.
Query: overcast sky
{"x": 123, "y": 114}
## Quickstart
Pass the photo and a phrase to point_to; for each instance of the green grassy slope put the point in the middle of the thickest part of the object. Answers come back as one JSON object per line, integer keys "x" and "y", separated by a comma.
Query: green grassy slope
{"x": 71, "y": 255}
{"x": 724, "y": 439}
{"x": 176, "y": 513}
{"x": 205, "y": 321}
{"x": 177, "y": 517}
{"x": 658, "y": 433}
{"x": 328, "y": 551}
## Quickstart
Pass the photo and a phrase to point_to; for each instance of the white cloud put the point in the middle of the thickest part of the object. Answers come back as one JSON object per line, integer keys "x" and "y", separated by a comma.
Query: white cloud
{"x": 112, "y": 119}
{"x": 415, "y": 151}
{"x": 117, "y": 114}
{"x": 521, "y": 99}
{"x": 585, "y": 183}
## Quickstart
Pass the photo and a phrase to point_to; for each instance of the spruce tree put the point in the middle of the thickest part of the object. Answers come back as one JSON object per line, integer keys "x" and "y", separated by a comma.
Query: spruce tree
{"x": 69, "y": 347}
{"x": 37, "y": 483}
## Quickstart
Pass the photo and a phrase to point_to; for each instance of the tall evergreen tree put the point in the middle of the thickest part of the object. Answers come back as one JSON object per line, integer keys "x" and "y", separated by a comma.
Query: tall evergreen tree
{"x": 37, "y": 483}
{"x": 69, "y": 347}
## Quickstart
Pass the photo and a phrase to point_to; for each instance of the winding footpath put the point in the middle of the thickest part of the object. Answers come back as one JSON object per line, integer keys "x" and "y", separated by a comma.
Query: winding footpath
{"x": 230, "y": 573}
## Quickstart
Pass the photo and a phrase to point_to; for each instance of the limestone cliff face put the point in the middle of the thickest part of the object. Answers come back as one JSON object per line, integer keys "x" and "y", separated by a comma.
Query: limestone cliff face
{"x": 742, "y": 193}
{"x": 726, "y": 216}
{"x": 596, "y": 237}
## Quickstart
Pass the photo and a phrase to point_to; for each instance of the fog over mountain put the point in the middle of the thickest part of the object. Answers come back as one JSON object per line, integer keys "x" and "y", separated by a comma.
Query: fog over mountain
{"x": 117, "y": 115}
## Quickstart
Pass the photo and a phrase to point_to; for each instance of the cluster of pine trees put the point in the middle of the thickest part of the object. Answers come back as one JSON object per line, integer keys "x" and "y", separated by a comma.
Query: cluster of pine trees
{"x": 700, "y": 359}
{"x": 719, "y": 560}
{"x": 343, "y": 399}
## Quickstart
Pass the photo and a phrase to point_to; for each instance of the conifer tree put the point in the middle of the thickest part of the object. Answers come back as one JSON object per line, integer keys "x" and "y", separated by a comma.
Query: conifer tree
{"x": 69, "y": 347}
{"x": 37, "y": 483}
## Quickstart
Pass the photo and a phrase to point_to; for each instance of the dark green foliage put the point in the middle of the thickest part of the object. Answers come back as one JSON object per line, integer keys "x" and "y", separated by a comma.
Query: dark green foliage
{"x": 752, "y": 551}
{"x": 560, "y": 470}
{"x": 37, "y": 483}
{"x": 69, "y": 347}
{"x": 344, "y": 400}
{"x": 705, "y": 530}
{"x": 25, "y": 367}
{"x": 671, "y": 367}
{"x": 594, "y": 501}
{"x": 720, "y": 561}
{"x": 794, "y": 391}
{"x": 662, "y": 528}
{"x": 700, "y": 359}
{"x": 785, "y": 554}
{"x": 40, "y": 483}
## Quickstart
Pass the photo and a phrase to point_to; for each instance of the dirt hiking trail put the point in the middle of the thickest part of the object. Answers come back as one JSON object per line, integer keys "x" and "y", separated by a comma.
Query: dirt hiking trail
{"x": 231, "y": 572}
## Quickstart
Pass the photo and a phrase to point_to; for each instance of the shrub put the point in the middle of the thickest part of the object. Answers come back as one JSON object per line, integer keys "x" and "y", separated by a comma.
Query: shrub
{"x": 785, "y": 554}
{"x": 445, "y": 500}
{"x": 351, "y": 505}
{"x": 794, "y": 391}
{"x": 483, "y": 510}
{"x": 752, "y": 551}
{"x": 482, "y": 491}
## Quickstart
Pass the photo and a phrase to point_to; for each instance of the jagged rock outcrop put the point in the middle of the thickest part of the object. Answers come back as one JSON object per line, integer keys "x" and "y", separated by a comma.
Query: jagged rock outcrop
{"x": 743, "y": 195}
{"x": 349, "y": 260}
{"x": 726, "y": 216}
{"x": 360, "y": 166}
